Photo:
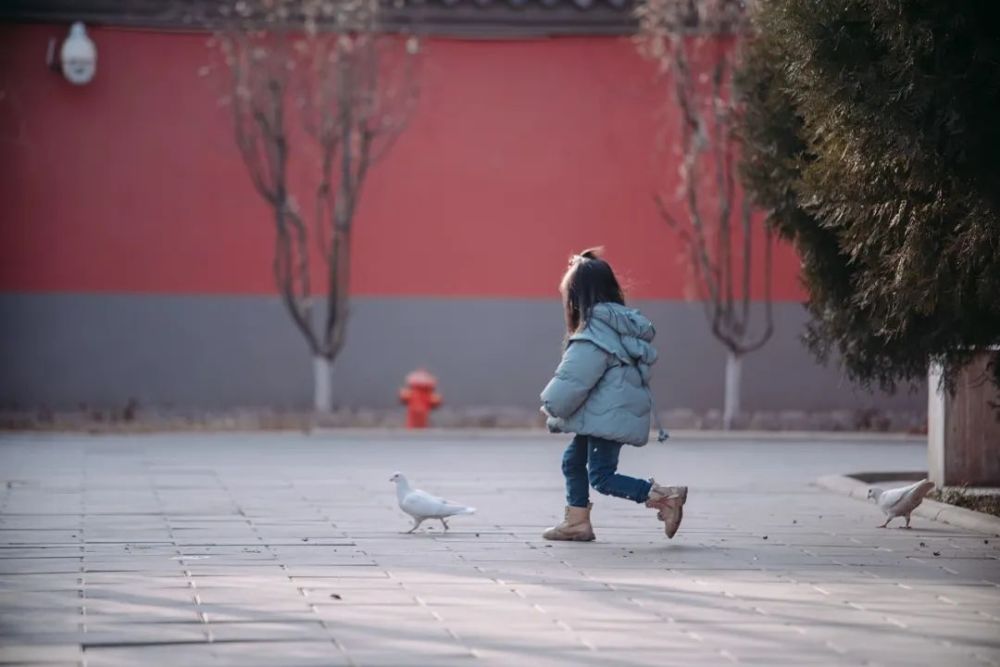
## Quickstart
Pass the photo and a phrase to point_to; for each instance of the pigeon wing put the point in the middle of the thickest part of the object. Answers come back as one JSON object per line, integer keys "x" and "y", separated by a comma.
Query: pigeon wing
{"x": 904, "y": 499}
{"x": 914, "y": 496}
{"x": 423, "y": 505}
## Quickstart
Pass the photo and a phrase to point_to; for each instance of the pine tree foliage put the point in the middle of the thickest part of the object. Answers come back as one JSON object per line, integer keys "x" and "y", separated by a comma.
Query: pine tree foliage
{"x": 872, "y": 135}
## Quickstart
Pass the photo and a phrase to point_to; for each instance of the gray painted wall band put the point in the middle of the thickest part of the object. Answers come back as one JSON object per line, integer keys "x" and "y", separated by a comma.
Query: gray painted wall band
{"x": 61, "y": 350}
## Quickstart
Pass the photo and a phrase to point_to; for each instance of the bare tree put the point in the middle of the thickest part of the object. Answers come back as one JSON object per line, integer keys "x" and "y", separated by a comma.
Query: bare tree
{"x": 695, "y": 44}
{"x": 315, "y": 80}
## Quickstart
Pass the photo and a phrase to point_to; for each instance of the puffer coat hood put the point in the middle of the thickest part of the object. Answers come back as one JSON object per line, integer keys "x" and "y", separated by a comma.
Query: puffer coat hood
{"x": 623, "y": 332}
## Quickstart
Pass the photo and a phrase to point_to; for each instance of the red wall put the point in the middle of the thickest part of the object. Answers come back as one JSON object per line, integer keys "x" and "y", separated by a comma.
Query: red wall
{"x": 519, "y": 153}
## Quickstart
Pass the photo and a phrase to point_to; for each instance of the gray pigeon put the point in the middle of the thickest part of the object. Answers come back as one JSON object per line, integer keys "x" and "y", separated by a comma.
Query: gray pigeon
{"x": 422, "y": 506}
{"x": 901, "y": 501}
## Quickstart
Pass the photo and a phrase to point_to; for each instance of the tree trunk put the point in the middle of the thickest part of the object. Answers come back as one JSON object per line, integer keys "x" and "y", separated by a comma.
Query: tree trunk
{"x": 731, "y": 404}
{"x": 322, "y": 379}
{"x": 963, "y": 434}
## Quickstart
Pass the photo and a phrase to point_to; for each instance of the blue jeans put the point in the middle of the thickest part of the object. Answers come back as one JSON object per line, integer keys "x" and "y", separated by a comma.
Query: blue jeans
{"x": 591, "y": 461}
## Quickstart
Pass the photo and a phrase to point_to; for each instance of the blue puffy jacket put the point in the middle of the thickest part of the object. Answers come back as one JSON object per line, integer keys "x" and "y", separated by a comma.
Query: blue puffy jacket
{"x": 601, "y": 385}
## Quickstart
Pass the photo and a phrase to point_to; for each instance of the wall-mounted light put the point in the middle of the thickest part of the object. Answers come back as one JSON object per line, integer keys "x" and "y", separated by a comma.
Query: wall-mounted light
{"x": 77, "y": 57}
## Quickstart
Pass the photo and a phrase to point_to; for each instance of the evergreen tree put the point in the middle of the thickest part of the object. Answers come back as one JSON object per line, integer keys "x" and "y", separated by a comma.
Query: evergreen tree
{"x": 872, "y": 135}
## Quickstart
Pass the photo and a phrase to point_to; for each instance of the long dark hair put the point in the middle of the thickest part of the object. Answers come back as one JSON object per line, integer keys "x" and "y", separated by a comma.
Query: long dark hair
{"x": 588, "y": 282}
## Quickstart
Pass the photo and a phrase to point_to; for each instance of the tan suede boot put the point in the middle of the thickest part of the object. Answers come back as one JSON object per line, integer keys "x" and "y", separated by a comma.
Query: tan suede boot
{"x": 669, "y": 504}
{"x": 574, "y": 528}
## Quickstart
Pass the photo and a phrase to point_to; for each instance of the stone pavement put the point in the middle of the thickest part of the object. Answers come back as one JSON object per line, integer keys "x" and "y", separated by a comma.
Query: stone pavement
{"x": 285, "y": 549}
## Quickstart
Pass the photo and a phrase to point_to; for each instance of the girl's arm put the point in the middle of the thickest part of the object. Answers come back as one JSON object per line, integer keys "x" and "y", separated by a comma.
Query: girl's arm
{"x": 582, "y": 365}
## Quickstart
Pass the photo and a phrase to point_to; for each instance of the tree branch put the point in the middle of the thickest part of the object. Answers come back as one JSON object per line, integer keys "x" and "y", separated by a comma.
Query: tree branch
{"x": 335, "y": 81}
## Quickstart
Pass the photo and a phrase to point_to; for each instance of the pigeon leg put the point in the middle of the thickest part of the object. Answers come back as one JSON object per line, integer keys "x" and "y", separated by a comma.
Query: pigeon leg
{"x": 907, "y": 521}
{"x": 886, "y": 524}
{"x": 416, "y": 524}
{"x": 444, "y": 523}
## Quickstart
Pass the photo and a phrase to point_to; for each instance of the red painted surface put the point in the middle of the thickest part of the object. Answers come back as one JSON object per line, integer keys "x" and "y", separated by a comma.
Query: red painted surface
{"x": 519, "y": 153}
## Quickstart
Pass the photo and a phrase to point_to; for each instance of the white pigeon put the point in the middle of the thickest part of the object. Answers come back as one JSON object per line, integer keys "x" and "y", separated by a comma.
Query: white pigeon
{"x": 901, "y": 501}
{"x": 422, "y": 506}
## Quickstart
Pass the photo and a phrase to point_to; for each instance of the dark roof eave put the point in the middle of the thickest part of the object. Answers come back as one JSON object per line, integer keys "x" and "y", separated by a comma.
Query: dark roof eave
{"x": 498, "y": 21}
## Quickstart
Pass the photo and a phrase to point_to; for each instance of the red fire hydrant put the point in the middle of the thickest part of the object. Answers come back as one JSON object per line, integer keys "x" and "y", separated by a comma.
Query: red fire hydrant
{"x": 419, "y": 397}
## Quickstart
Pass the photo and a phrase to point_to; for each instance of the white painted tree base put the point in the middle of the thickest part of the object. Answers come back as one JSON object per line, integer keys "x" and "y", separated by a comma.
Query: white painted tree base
{"x": 322, "y": 384}
{"x": 731, "y": 403}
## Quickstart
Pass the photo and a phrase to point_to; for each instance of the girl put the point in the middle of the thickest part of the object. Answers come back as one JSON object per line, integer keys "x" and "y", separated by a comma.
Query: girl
{"x": 600, "y": 394}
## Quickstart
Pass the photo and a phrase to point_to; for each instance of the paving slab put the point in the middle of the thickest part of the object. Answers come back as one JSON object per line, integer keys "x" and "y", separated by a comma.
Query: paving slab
{"x": 287, "y": 549}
